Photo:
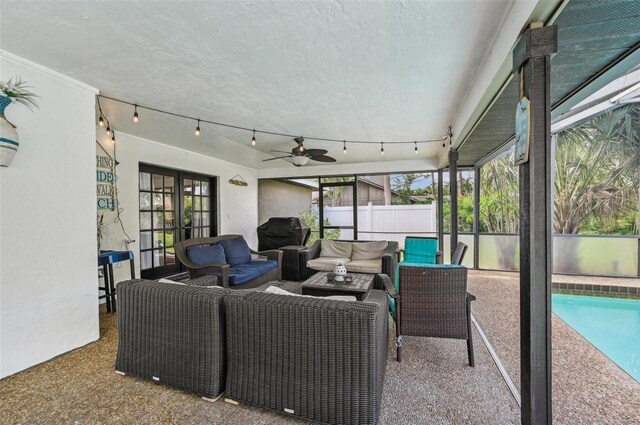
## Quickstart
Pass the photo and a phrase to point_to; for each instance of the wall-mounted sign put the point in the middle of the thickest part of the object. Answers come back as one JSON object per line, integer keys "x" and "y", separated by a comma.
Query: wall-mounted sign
{"x": 238, "y": 181}
{"x": 523, "y": 131}
{"x": 105, "y": 183}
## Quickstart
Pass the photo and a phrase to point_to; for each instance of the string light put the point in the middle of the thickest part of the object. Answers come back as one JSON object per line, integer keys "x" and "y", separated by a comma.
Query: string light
{"x": 102, "y": 120}
{"x": 113, "y": 137}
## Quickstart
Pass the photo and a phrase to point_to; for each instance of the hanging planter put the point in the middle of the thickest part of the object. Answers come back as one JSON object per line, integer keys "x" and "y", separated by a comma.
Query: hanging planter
{"x": 9, "y": 141}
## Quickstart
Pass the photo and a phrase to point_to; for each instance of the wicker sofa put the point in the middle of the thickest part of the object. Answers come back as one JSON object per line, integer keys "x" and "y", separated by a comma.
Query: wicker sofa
{"x": 358, "y": 256}
{"x": 229, "y": 258}
{"x": 175, "y": 334}
{"x": 315, "y": 358}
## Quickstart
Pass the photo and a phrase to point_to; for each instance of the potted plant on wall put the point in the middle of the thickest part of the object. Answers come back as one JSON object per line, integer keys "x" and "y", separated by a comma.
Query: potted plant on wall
{"x": 12, "y": 91}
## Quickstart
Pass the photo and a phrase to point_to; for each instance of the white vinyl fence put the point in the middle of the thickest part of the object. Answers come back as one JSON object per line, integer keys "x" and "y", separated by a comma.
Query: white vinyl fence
{"x": 385, "y": 222}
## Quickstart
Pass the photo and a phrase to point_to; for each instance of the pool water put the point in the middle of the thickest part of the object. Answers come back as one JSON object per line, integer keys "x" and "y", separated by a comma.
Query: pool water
{"x": 612, "y": 325}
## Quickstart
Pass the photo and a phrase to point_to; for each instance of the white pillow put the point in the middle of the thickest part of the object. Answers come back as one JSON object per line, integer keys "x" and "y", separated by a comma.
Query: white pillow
{"x": 164, "y": 280}
{"x": 280, "y": 291}
{"x": 329, "y": 248}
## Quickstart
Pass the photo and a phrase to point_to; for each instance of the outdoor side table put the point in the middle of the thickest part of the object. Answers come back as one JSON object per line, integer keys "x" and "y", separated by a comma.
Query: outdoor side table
{"x": 291, "y": 267}
{"x": 106, "y": 260}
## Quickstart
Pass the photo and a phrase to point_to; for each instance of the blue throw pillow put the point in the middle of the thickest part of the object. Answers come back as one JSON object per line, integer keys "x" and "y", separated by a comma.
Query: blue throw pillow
{"x": 206, "y": 254}
{"x": 236, "y": 250}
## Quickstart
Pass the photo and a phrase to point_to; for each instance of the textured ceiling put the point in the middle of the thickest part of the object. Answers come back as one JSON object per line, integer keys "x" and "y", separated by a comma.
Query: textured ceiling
{"x": 591, "y": 34}
{"x": 355, "y": 70}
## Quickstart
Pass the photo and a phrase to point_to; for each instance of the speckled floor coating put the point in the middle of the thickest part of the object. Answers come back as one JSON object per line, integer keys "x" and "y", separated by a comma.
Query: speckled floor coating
{"x": 588, "y": 388}
{"x": 432, "y": 385}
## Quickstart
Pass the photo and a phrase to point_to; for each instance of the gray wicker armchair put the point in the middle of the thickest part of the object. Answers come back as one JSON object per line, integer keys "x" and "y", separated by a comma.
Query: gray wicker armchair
{"x": 222, "y": 270}
{"x": 432, "y": 301}
{"x": 173, "y": 334}
{"x": 315, "y": 358}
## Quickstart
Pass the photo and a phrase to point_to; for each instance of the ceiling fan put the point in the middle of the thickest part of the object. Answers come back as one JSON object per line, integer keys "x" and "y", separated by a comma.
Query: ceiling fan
{"x": 300, "y": 155}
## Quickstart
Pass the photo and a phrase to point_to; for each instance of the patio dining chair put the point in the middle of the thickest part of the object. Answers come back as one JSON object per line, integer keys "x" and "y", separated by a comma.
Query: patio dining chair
{"x": 421, "y": 250}
{"x": 458, "y": 254}
{"x": 431, "y": 301}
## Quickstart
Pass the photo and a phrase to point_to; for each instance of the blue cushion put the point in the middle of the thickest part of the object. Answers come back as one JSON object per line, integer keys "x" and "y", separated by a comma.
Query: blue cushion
{"x": 242, "y": 273}
{"x": 236, "y": 250}
{"x": 206, "y": 254}
{"x": 420, "y": 250}
{"x": 392, "y": 302}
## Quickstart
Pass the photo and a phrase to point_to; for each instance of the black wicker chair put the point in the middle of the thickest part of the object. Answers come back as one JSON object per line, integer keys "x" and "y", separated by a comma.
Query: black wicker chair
{"x": 221, "y": 270}
{"x": 315, "y": 358}
{"x": 433, "y": 302}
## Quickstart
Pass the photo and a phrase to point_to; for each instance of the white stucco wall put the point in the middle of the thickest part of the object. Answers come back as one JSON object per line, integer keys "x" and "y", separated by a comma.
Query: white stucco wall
{"x": 48, "y": 279}
{"x": 237, "y": 205}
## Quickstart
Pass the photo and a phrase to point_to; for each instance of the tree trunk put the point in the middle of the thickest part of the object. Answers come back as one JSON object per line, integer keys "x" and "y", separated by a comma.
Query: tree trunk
{"x": 387, "y": 189}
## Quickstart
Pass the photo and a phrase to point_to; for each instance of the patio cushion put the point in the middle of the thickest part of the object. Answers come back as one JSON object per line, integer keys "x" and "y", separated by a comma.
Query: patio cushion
{"x": 280, "y": 291}
{"x": 420, "y": 250}
{"x": 368, "y": 250}
{"x": 241, "y": 273}
{"x": 326, "y": 264}
{"x": 206, "y": 254}
{"x": 365, "y": 266}
{"x": 329, "y": 248}
{"x": 236, "y": 250}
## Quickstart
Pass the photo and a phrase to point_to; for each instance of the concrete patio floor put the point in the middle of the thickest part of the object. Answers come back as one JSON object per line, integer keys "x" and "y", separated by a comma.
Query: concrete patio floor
{"x": 588, "y": 388}
{"x": 433, "y": 385}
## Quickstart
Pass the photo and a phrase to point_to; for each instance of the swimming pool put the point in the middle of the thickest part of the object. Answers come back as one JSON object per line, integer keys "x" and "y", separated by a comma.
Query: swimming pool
{"x": 612, "y": 325}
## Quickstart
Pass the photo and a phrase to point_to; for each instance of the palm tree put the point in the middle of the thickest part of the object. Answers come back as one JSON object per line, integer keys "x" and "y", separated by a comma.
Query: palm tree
{"x": 591, "y": 174}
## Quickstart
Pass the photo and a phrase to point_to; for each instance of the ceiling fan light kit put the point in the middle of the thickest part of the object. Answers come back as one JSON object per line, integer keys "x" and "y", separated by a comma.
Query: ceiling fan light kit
{"x": 299, "y": 161}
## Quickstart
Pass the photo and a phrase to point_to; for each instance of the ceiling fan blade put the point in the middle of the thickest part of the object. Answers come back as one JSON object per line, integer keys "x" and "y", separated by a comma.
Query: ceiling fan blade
{"x": 322, "y": 158}
{"x": 315, "y": 152}
{"x": 280, "y": 157}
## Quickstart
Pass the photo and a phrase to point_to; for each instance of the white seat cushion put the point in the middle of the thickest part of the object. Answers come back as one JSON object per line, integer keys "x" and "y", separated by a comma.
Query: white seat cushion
{"x": 326, "y": 264}
{"x": 368, "y": 250}
{"x": 365, "y": 266}
{"x": 280, "y": 291}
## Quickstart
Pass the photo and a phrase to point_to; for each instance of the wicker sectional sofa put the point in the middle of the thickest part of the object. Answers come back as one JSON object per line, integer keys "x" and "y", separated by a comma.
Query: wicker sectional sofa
{"x": 311, "y": 357}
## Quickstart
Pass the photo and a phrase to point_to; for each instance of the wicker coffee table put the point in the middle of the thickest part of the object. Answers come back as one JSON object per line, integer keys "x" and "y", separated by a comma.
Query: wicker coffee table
{"x": 318, "y": 285}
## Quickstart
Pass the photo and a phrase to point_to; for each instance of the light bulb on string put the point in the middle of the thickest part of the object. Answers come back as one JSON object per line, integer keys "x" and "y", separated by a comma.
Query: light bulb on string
{"x": 101, "y": 121}
{"x": 135, "y": 114}
{"x": 416, "y": 149}
{"x": 108, "y": 131}
{"x": 198, "y": 128}
{"x": 344, "y": 147}
{"x": 253, "y": 139}
{"x": 113, "y": 137}
{"x": 381, "y": 148}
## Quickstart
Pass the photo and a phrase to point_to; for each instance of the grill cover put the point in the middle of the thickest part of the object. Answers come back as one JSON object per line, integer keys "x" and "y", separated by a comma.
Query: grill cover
{"x": 282, "y": 231}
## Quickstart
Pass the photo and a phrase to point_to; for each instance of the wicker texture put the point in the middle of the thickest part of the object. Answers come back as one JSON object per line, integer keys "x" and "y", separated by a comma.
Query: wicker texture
{"x": 433, "y": 302}
{"x": 221, "y": 270}
{"x": 389, "y": 259}
{"x": 320, "y": 359}
{"x": 173, "y": 334}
